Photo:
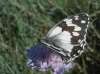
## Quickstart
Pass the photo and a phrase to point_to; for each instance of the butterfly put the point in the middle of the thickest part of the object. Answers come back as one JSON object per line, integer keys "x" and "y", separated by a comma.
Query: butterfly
{"x": 68, "y": 37}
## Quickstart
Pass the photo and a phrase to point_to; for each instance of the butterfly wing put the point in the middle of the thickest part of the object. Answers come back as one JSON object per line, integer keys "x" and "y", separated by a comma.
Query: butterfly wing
{"x": 68, "y": 37}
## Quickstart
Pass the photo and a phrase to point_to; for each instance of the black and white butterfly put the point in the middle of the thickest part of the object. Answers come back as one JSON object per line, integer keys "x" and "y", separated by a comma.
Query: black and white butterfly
{"x": 68, "y": 37}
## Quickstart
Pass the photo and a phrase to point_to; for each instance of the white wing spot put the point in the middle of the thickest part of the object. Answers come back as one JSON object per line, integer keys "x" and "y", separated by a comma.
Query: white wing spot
{"x": 87, "y": 14}
{"x": 65, "y": 20}
{"x": 85, "y": 39}
{"x": 88, "y": 18}
{"x": 81, "y": 52}
{"x": 86, "y": 30}
{"x": 74, "y": 55}
{"x": 56, "y": 31}
{"x": 69, "y": 22}
{"x": 77, "y": 28}
{"x": 83, "y": 21}
{"x": 81, "y": 44}
{"x": 79, "y": 40}
{"x": 66, "y": 33}
{"x": 75, "y": 33}
{"x": 68, "y": 54}
{"x": 88, "y": 22}
{"x": 87, "y": 26}
{"x": 76, "y": 17}
{"x": 84, "y": 45}
{"x": 84, "y": 35}
{"x": 78, "y": 51}
{"x": 70, "y": 46}
{"x": 64, "y": 36}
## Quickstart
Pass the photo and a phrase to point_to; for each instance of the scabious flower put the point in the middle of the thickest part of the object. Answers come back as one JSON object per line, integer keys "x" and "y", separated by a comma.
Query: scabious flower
{"x": 46, "y": 59}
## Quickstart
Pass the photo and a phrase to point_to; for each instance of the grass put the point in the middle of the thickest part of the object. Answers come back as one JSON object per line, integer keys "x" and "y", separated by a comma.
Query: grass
{"x": 22, "y": 22}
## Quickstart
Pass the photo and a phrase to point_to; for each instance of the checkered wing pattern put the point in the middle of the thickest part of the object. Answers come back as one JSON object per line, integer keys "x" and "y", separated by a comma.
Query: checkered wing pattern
{"x": 68, "y": 37}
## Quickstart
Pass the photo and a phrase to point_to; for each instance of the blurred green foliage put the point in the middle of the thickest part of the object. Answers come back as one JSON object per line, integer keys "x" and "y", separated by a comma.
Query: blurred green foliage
{"x": 23, "y": 21}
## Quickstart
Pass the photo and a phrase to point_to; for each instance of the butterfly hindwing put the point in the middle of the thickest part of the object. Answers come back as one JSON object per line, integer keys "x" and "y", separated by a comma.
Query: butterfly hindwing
{"x": 68, "y": 37}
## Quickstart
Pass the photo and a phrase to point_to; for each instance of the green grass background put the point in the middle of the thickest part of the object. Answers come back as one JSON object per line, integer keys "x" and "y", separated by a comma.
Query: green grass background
{"x": 23, "y": 21}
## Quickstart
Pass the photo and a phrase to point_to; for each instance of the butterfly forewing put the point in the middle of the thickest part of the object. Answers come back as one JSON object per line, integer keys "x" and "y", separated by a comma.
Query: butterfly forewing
{"x": 68, "y": 37}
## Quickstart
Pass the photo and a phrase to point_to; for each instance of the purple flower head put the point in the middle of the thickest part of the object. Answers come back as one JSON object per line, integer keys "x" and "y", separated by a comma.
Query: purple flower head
{"x": 46, "y": 59}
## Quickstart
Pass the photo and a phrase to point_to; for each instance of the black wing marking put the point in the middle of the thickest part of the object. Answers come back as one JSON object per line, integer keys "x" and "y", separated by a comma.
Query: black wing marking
{"x": 68, "y": 37}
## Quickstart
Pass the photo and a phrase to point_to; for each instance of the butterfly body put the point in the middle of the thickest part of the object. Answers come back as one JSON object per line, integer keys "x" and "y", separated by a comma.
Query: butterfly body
{"x": 68, "y": 37}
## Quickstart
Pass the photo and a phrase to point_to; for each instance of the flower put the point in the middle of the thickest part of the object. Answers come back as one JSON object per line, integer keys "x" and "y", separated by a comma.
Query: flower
{"x": 45, "y": 59}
